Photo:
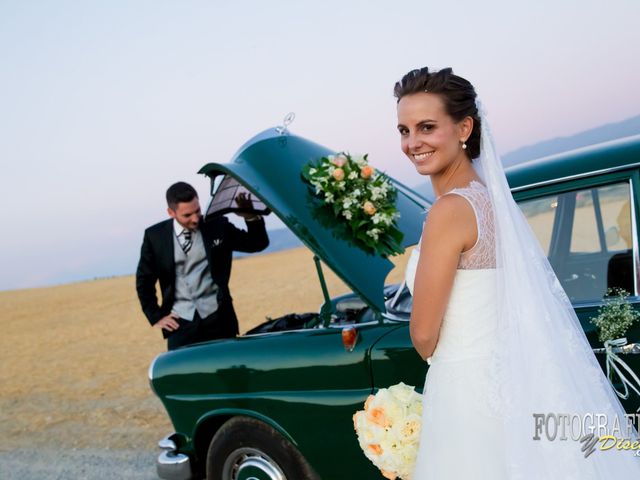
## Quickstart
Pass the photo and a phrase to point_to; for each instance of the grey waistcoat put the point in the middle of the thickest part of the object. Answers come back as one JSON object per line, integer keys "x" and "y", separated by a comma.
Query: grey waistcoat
{"x": 195, "y": 289}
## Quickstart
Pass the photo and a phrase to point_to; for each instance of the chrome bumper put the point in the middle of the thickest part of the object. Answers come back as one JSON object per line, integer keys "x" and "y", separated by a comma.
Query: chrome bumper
{"x": 172, "y": 465}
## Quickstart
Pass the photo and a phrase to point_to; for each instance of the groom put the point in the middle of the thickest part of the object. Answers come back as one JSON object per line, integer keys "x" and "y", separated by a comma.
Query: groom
{"x": 192, "y": 261}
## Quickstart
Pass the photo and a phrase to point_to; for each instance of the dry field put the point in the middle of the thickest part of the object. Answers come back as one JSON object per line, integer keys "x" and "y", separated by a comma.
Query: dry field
{"x": 74, "y": 358}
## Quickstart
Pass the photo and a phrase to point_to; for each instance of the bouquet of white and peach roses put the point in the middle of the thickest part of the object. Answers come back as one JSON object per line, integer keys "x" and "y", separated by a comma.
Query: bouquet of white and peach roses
{"x": 388, "y": 429}
{"x": 358, "y": 197}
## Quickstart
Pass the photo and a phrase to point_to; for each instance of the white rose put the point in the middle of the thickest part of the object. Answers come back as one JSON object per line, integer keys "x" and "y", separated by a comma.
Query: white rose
{"x": 408, "y": 429}
{"x": 402, "y": 392}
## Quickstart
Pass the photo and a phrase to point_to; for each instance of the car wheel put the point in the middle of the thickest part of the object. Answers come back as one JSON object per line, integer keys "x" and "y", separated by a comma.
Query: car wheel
{"x": 247, "y": 449}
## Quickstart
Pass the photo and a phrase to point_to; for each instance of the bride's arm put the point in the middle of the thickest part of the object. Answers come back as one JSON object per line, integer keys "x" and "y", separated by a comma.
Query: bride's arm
{"x": 446, "y": 232}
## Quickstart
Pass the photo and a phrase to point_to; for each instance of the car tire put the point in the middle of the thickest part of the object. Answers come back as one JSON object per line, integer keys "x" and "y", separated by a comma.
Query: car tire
{"x": 245, "y": 448}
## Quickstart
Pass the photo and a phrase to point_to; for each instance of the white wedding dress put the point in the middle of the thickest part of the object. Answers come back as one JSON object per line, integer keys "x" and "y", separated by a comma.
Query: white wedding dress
{"x": 463, "y": 433}
{"x": 461, "y": 430}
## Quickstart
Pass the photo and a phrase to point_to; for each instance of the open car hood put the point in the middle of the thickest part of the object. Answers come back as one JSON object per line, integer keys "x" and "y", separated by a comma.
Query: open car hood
{"x": 270, "y": 165}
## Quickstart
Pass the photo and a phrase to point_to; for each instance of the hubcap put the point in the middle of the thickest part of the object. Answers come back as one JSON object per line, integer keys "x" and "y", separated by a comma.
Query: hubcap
{"x": 251, "y": 464}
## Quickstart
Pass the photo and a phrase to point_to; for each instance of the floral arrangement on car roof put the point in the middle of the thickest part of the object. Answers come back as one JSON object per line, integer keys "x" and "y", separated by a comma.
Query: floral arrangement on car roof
{"x": 360, "y": 197}
{"x": 388, "y": 429}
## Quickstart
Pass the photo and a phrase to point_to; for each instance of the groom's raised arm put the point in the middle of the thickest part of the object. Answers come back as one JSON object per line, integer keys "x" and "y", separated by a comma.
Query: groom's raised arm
{"x": 254, "y": 239}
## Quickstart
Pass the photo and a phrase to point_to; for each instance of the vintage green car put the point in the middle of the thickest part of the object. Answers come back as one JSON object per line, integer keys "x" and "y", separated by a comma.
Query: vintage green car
{"x": 277, "y": 402}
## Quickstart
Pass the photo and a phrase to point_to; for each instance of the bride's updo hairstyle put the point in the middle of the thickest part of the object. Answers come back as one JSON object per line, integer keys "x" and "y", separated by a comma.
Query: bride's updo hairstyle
{"x": 457, "y": 93}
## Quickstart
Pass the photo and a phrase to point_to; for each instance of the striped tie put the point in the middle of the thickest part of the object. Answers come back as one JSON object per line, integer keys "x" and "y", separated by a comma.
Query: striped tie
{"x": 188, "y": 241}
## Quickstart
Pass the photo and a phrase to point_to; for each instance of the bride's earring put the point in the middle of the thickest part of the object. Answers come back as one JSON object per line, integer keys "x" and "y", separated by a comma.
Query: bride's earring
{"x": 464, "y": 145}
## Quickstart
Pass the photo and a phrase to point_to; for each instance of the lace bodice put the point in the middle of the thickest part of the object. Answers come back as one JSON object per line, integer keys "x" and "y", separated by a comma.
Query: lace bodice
{"x": 483, "y": 253}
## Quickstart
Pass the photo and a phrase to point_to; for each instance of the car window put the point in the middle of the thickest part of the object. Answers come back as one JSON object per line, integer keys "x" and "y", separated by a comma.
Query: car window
{"x": 584, "y": 233}
{"x": 616, "y": 216}
{"x": 587, "y": 236}
{"x": 540, "y": 213}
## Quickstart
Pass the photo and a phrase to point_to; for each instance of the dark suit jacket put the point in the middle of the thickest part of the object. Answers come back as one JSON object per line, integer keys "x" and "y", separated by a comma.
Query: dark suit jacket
{"x": 157, "y": 263}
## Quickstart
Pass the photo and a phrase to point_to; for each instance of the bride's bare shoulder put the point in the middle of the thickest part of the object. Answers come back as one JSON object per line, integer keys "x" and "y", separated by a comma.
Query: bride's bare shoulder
{"x": 450, "y": 206}
{"x": 452, "y": 217}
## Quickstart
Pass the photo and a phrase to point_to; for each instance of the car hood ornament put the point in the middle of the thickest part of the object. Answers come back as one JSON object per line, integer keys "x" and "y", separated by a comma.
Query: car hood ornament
{"x": 288, "y": 120}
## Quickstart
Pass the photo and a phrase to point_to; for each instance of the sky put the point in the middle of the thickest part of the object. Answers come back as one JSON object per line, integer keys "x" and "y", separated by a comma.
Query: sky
{"x": 104, "y": 104}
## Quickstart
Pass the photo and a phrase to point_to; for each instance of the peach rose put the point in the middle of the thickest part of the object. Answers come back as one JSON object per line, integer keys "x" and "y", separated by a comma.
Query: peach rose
{"x": 389, "y": 475}
{"x": 377, "y": 416}
{"x": 375, "y": 449}
{"x": 369, "y": 208}
{"x": 338, "y": 174}
{"x": 339, "y": 160}
{"x": 366, "y": 172}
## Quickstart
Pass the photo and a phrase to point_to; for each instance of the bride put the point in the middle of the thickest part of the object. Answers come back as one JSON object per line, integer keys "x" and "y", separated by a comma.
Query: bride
{"x": 513, "y": 386}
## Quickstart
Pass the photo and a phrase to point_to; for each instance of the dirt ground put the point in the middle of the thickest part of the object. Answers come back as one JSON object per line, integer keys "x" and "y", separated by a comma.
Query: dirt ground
{"x": 74, "y": 358}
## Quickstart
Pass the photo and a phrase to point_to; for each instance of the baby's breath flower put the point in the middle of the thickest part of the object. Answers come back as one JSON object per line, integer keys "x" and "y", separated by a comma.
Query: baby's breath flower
{"x": 374, "y": 233}
{"x": 616, "y": 316}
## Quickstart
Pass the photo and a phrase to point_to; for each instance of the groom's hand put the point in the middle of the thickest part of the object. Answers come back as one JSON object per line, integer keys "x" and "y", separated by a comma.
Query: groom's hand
{"x": 244, "y": 201}
{"x": 169, "y": 323}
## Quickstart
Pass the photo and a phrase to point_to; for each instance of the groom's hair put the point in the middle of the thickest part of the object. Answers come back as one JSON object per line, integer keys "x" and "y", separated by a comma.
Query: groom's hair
{"x": 180, "y": 192}
{"x": 457, "y": 93}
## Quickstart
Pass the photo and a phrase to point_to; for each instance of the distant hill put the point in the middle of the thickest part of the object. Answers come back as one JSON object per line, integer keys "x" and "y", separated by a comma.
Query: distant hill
{"x": 610, "y": 131}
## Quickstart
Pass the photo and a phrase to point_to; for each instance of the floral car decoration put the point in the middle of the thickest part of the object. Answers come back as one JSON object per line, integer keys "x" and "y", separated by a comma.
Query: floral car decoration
{"x": 615, "y": 316}
{"x": 359, "y": 197}
{"x": 614, "y": 319}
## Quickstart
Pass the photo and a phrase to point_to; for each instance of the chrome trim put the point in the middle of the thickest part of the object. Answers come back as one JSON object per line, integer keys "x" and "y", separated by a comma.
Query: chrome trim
{"x": 251, "y": 458}
{"x": 599, "y": 303}
{"x": 588, "y": 304}
{"x": 263, "y": 465}
{"x": 150, "y": 375}
{"x": 634, "y": 236}
{"x": 170, "y": 464}
{"x": 631, "y": 348}
{"x": 167, "y": 444}
{"x": 153, "y": 363}
{"x": 576, "y": 176}
{"x": 395, "y": 297}
{"x": 394, "y": 318}
{"x": 356, "y": 325}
